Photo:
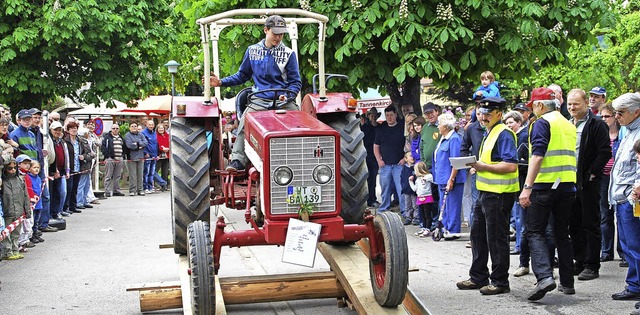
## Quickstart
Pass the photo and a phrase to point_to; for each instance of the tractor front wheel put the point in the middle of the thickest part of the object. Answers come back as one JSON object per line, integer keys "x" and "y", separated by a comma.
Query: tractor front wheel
{"x": 389, "y": 260}
{"x": 200, "y": 253}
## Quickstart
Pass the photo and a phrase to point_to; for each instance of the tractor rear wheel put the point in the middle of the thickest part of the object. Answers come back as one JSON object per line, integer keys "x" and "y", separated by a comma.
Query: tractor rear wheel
{"x": 190, "y": 192}
{"x": 200, "y": 253}
{"x": 353, "y": 166}
{"x": 389, "y": 262}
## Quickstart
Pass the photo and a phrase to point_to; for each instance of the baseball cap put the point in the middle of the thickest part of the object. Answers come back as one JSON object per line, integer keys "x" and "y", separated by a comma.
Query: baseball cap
{"x": 24, "y": 113}
{"x": 277, "y": 24}
{"x": 541, "y": 94}
{"x": 598, "y": 90}
{"x": 522, "y": 106}
{"x": 429, "y": 107}
{"x": 35, "y": 111}
{"x": 55, "y": 125}
{"x": 22, "y": 157}
{"x": 489, "y": 104}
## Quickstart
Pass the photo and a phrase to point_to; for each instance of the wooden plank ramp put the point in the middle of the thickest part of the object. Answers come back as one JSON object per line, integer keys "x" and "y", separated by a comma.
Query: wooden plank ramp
{"x": 352, "y": 269}
{"x": 186, "y": 289}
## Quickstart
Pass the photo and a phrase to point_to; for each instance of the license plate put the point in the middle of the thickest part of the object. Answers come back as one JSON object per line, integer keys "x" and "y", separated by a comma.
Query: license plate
{"x": 303, "y": 194}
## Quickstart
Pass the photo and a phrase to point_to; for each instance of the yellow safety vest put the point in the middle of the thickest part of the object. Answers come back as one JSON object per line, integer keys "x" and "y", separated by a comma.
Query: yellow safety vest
{"x": 560, "y": 160}
{"x": 492, "y": 182}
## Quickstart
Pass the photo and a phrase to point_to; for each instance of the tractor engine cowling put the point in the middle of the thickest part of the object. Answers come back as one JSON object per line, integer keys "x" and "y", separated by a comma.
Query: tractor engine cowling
{"x": 297, "y": 157}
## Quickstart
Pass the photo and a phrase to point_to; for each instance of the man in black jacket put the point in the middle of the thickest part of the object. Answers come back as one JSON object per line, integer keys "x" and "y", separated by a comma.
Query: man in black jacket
{"x": 112, "y": 148}
{"x": 593, "y": 152}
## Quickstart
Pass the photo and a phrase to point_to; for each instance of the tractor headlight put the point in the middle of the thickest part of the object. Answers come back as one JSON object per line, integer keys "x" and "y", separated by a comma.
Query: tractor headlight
{"x": 282, "y": 175}
{"x": 322, "y": 174}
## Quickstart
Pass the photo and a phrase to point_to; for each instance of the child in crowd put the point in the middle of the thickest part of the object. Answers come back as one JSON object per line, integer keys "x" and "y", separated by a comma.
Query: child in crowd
{"x": 488, "y": 88}
{"x": 24, "y": 164}
{"x": 411, "y": 209}
{"x": 35, "y": 191}
{"x": 421, "y": 184}
{"x": 15, "y": 203}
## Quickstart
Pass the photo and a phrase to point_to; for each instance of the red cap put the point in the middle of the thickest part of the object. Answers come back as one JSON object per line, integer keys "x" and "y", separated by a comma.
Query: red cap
{"x": 541, "y": 94}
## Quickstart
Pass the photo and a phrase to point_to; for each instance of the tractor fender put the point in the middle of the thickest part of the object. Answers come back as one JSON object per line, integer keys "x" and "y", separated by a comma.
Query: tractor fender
{"x": 333, "y": 103}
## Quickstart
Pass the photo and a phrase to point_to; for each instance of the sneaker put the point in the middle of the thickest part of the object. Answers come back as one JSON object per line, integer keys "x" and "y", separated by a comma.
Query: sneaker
{"x": 34, "y": 240}
{"x": 118, "y": 193}
{"x": 521, "y": 271}
{"x": 426, "y": 233}
{"x": 407, "y": 221}
{"x": 38, "y": 233}
{"x": 64, "y": 214}
{"x": 108, "y": 194}
{"x": 88, "y": 206}
{"x": 49, "y": 229}
{"x": 493, "y": 290}
{"x": 132, "y": 194}
{"x": 567, "y": 291}
{"x": 29, "y": 245}
{"x": 448, "y": 236}
{"x": 79, "y": 207}
{"x": 235, "y": 165}
{"x": 468, "y": 245}
{"x": 415, "y": 222}
{"x": 39, "y": 238}
{"x": 141, "y": 193}
{"x": 14, "y": 257}
{"x": 542, "y": 287}
{"x": 467, "y": 285}
{"x": 77, "y": 210}
{"x": 464, "y": 224}
{"x": 419, "y": 233}
{"x": 605, "y": 258}
{"x": 588, "y": 274}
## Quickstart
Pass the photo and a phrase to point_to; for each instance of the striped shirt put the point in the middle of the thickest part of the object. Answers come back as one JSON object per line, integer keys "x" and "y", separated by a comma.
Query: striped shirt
{"x": 117, "y": 147}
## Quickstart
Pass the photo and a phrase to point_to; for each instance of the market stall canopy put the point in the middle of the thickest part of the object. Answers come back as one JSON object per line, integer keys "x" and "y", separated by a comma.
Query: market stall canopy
{"x": 157, "y": 104}
{"x": 101, "y": 110}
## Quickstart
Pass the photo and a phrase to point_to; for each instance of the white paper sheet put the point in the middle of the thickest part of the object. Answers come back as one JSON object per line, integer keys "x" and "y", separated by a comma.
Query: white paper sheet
{"x": 459, "y": 163}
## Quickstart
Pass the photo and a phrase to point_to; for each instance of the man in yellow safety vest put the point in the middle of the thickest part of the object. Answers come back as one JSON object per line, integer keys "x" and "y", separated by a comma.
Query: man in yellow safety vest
{"x": 497, "y": 182}
{"x": 550, "y": 189}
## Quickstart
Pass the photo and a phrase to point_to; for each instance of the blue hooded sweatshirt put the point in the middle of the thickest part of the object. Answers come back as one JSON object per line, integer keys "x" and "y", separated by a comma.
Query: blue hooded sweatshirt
{"x": 270, "y": 68}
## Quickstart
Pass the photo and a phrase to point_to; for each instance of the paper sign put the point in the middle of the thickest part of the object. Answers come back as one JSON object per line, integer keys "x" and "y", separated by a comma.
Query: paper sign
{"x": 301, "y": 243}
{"x": 459, "y": 163}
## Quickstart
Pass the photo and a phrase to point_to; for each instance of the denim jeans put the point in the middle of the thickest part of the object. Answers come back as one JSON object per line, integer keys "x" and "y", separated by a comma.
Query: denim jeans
{"x": 149, "y": 170}
{"x": 607, "y": 224}
{"x": 516, "y": 212}
{"x": 389, "y": 182}
{"x": 628, "y": 227}
{"x": 490, "y": 237}
{"x": 545, "y": 203}
{"x": 45, "y": 214}
{"x": 525, "y": 252}
{"x": 71, "y": 201}
{"x": 58, "y": 195}
{"x": 83, "y": 185}
{"x": 158, "y": 179}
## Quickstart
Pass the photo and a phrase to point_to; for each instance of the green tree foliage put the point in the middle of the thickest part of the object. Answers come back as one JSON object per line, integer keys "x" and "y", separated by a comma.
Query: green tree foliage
{"x": 393, "y": 43}
{"x": 51, "y": 48}
{"x": 613, "y": 63}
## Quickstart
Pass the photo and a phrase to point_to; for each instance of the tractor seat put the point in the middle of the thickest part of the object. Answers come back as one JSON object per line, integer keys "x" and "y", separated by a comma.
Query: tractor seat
{"x": 241, "y": 101}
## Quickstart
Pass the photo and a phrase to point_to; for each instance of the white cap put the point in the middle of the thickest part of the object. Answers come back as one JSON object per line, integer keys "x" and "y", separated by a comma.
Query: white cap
{"x": 55, "y": 125}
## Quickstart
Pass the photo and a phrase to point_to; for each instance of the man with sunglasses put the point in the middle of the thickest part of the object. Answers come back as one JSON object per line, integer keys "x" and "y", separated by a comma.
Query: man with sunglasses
{"x": 593, "y": 151}
{"x": 624, "y": 173}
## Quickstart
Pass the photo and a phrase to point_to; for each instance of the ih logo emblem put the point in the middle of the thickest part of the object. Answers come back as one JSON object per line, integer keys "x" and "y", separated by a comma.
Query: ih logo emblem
{"x": 318, "y": 152}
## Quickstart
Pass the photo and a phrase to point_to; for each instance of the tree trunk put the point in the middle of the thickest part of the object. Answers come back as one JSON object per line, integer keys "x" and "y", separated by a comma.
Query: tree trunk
{"x": 406, "y": 93}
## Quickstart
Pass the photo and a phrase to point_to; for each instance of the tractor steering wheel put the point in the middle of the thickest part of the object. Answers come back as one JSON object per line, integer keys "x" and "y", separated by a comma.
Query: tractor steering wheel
{"x": 275, "y": 99}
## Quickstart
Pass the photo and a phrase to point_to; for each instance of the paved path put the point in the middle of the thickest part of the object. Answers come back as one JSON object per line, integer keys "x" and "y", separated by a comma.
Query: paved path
{"x": 85, "y": 270}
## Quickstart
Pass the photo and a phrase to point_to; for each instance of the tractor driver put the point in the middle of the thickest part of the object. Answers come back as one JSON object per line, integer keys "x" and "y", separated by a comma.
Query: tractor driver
{"x": 272, "y": 65}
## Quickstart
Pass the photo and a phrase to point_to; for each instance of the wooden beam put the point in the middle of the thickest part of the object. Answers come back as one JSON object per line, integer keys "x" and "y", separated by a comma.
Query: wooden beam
{"x": 160, "y": 299}
{"x": 286, "y": 287}
{"x": 185, "y": 281}
{"x": 154, "y": 286}
{"x": 352, "y": 270}
{"x": 221, "y": 308}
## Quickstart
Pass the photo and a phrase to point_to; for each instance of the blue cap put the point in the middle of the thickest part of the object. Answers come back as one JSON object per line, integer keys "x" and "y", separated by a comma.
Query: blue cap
{"x": 24, "y": 113}
{"x": 489, "y": 104}
{"x": 598, "y": 90}
{"x": 22, "y": 157}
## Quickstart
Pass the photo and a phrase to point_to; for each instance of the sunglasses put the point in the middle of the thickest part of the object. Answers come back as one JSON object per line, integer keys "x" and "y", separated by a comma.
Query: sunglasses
{"x": 606, "y": 116}
{"x": 10, "y": 168}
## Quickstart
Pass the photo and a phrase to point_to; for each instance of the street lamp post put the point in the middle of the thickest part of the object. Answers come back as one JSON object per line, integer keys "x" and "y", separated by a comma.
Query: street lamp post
{"x": 172, "y": 66}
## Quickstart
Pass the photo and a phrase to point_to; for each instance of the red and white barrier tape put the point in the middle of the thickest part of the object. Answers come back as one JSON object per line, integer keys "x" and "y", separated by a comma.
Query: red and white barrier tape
{"x": 12, "y": 227}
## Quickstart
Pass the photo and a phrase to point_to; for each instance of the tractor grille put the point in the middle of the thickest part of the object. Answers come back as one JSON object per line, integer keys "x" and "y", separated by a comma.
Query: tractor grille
{"x": 301, "y": 154}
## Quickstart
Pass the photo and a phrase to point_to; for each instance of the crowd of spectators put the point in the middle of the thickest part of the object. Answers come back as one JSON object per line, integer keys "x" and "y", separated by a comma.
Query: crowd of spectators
{"x": 600, "y": 183}
{"x": 47, "y": 174}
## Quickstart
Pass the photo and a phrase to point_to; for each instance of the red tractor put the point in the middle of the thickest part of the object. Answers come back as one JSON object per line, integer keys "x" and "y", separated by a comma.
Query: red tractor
{"x": 314, "y": 156}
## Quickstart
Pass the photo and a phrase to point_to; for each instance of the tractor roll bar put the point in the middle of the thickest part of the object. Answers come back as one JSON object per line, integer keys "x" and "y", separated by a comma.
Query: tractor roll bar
{"x": 218, "y": 22}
